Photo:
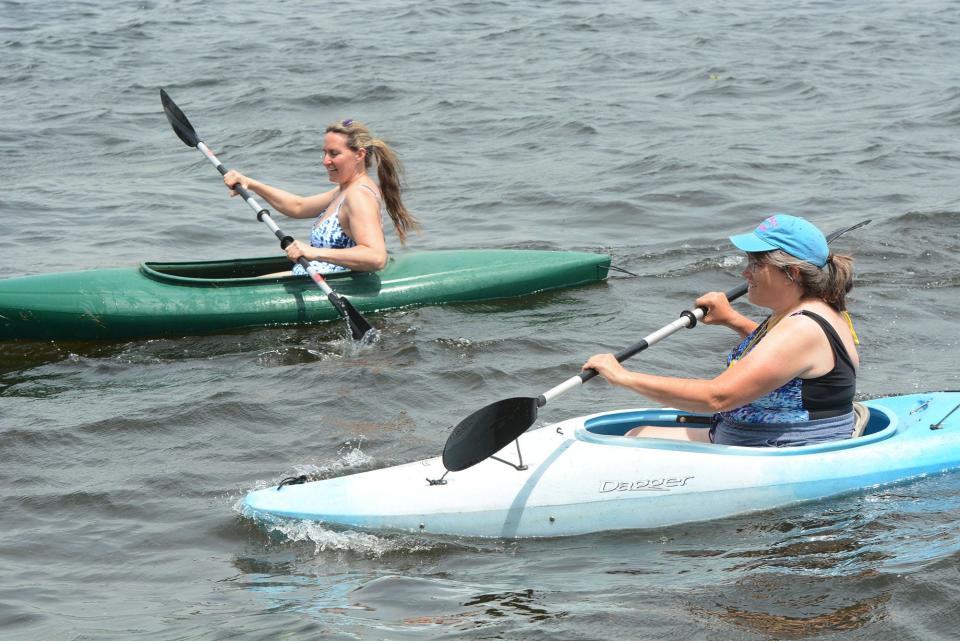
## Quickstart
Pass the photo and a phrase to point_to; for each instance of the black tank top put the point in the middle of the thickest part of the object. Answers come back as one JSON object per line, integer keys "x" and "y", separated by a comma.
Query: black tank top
{"x": 831, "y": 394}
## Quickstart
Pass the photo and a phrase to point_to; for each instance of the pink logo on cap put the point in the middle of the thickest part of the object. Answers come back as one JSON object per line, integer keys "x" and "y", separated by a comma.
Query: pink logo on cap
{"x": 768, "y": 224}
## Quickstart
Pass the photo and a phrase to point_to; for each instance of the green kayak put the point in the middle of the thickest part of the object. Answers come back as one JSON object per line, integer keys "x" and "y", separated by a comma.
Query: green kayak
{"x": 163, "y": 299}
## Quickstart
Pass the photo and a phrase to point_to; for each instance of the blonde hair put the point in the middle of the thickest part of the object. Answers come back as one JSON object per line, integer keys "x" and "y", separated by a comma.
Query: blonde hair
{"x": 831, "y": 283}
{"x": 389, "y": 171}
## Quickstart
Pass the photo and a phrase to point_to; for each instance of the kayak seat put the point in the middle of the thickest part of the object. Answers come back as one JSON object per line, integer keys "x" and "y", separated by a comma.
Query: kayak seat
{"x": 860, "y": 421}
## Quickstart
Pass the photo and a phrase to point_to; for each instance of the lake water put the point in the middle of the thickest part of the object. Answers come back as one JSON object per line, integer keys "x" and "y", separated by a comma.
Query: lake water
{"x": 650, "y": 131}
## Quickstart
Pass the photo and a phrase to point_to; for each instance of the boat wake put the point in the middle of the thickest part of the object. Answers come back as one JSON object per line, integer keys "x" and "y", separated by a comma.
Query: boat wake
{"x": 284, "y": 532}
{"x": 325, "y": 539}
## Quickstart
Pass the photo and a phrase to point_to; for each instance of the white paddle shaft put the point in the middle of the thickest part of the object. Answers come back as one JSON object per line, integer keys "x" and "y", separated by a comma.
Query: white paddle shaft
{"x": 681, "y": 323}
{"x": 264, "y": 216}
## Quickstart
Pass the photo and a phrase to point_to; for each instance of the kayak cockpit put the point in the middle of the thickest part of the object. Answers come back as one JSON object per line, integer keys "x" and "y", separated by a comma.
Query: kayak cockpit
{"x": 609, "y": 428}
{"x": 221, "y": 272}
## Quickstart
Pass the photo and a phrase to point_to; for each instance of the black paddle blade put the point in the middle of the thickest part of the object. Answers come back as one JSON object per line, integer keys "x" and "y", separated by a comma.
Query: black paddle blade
{"x": 181, "y": 126}
{"x": 840, "y": 232}
{"x": 358, "y": 324}
{"x": 487, "y": 431}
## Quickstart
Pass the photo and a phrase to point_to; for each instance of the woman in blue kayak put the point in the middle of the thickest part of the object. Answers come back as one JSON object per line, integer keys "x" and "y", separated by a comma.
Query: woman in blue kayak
{"x": 347, "y": 234}
{"x": 792, "y": 378}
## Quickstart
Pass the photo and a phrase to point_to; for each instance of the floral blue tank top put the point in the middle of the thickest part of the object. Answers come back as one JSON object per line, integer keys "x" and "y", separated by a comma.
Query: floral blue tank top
{"x": 328, "y": 234}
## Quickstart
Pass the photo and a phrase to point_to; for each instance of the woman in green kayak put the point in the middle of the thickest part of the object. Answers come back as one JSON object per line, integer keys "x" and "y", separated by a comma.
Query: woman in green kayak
{"x": 792, "y": 378}
{"x": 348, "y": 233}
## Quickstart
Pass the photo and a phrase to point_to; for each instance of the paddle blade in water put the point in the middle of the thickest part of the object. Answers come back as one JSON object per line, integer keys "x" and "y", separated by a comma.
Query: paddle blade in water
{"x": 181, "y": 126}
{"x": 358, "y": 324}
{"x": 487, "y": 431}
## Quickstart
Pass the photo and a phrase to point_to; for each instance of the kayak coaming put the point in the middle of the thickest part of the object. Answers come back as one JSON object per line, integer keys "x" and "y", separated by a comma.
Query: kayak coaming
{"x": 580, "y": 480}
{"x": 159, "y": 299}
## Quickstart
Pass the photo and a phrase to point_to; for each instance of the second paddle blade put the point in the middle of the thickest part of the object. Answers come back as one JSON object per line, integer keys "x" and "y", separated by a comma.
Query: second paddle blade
{"x": 178, "y": 120}
{"x": 487, "y": 431}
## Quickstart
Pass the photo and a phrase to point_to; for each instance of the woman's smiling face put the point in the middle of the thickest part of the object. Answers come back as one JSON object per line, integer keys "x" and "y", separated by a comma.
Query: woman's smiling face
{"x": 761, "y": 279}
{"x": 341, "y": 162}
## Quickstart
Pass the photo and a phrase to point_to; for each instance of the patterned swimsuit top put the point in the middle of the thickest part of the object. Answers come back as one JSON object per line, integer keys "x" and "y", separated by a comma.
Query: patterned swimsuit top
{"x": 327, "y": 233}
{"x": 801, "y": 399}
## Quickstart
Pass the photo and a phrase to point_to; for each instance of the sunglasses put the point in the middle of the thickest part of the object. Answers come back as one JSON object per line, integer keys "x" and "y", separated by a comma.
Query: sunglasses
{"x": 753, "y": 265}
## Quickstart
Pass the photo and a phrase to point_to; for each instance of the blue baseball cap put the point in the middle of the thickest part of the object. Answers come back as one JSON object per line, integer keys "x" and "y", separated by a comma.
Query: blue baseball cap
{"x": 794, "y": 235}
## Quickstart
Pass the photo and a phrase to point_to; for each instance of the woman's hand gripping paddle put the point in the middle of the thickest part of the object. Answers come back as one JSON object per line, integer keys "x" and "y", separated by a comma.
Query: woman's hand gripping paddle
{"x": 490, "y": 429}
{"x": 185, "y": 131}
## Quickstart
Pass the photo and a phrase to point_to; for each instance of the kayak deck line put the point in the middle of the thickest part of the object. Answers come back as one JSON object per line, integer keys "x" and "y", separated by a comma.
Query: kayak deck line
{"x": 580, "y": 480}
{"x": 204, "y": 297}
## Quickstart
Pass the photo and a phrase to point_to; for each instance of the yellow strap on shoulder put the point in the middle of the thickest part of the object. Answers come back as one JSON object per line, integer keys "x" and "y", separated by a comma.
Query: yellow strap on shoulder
{"x": 853, "y": 332}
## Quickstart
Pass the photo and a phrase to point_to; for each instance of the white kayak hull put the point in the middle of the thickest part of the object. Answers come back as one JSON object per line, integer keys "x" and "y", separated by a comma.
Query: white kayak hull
{"x": 583, "y": 476}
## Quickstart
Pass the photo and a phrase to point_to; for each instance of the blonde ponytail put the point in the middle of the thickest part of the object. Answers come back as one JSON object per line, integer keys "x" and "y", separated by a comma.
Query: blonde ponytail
{"x": 389, "y": 171}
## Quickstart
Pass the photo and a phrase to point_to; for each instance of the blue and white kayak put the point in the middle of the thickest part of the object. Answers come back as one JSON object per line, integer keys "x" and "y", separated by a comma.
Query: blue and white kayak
{"x": 582, "y": 475}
